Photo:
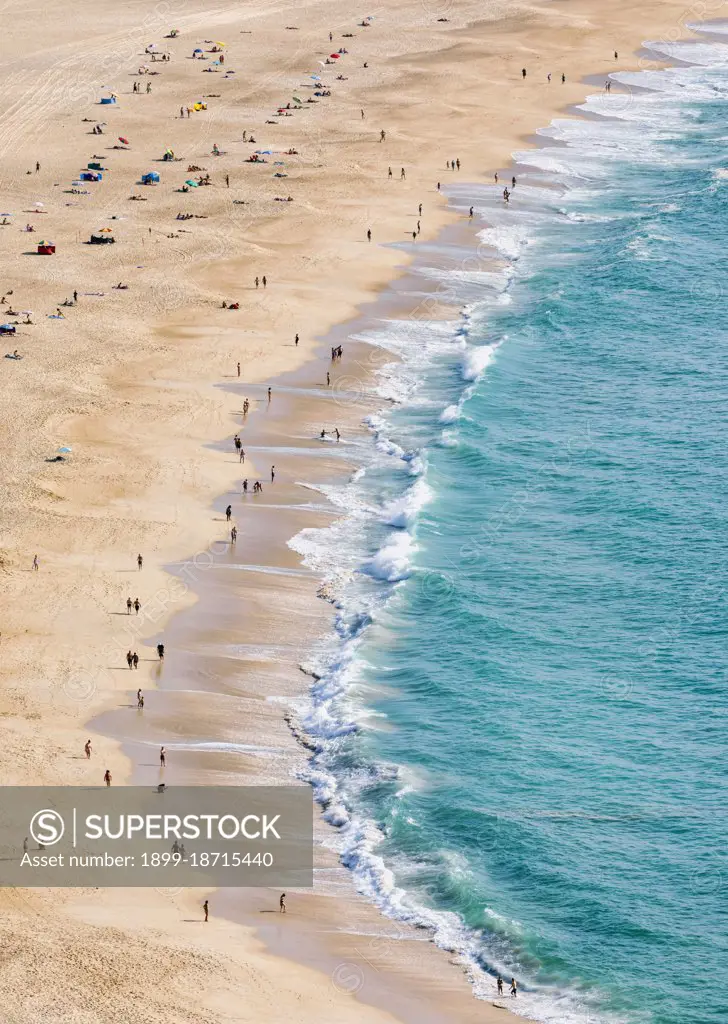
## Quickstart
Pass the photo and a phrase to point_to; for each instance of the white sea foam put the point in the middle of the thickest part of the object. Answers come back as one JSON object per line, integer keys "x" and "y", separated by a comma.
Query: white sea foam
{"x": 393, "y": 561}
{"x": 450, "y": 414}
{"x": 476, "y": 360}
{"x": 402, "y": 512}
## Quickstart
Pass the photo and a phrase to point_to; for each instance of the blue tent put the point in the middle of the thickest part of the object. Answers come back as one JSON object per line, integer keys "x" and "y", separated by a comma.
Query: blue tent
{"x": 150, "y": 179}
{"x": 91, "y": 176}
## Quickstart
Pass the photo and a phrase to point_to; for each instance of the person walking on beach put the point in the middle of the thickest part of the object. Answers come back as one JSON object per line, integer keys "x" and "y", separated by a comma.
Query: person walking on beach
{"x": 338, "y": 435}
{"x": 229, "y": 513}
{"x": 36, "y": 564}
{"x": 139, "y": 696}
{"x": 257, "y": 282}
{"x": 241, "y": 455}
{"x": 237, "y": 442}
{"x": 245, "y": 486}
{"x": 140, "y": 562}
{"x": 129, "y": 659}
{"x": 137, "y": 605}
{"x": 496, "y": 177}
{"x": 206, "y": 908}
{"x": 563, "y": 78}
{"x": 160, "y": 651}
{"x": 282, "y": 903}
{"x": 87, "y": 749}
{"x": 513, "y": 181}
{"x": 270, "y": 394}
{"x": 128, "y": 606}
{"x": 523, "y": 72}
{"x": 328, "y": 380}
{"x": 162, "y": 757}
{"x": 471, "y": 213}
{"x": 414, "y": 236}
{"x": 238, "y": 369}
{"x": 37, "y": 165}
{"x": 382, "y": 135}
{"x": 402, "y": 174}
{"x": 419, "y": 210}
{"x": 227, "y": 180}
{"x": 295, "y": 341}
{"x": 264, "y": 281}
{"x": 514, "y": 988}
{"x": 499, "y": 983}
{"x": 107, "y": 777}
{"x": 233, "y": 534}
{"x": 135, "y": 659}
{"x": 272, "y": 473}
{"x": 389, "y": 172}
{"x": 438, "y": 186}
{"x": 369, "y": 234}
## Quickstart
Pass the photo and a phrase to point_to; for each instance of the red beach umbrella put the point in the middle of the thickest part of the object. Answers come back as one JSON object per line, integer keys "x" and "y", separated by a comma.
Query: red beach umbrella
{"x": 122, "y": 139}
{"x": 335, "y": 56}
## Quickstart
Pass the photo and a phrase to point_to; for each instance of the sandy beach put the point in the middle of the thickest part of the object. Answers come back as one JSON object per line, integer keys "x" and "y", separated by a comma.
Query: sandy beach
{"x": 142, "y": 384}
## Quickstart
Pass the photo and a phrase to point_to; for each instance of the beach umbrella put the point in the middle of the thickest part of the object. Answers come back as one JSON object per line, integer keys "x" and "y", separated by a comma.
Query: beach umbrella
{"x": 334, "y": 56}
{"x": 66, "y": 449}
{"x": 219, "y": 44}
{"x": 198, "y": 50}
{"x": 316, "y": 78}
{"x": 297, "y": 99}
{"x": 191, "y": 183}
{"x": 122, "y": 139}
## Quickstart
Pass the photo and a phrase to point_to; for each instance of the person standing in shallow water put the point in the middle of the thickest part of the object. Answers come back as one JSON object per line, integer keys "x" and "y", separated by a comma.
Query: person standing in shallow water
{"x": 514, "y": 988}
{"x": 499, "y": 983}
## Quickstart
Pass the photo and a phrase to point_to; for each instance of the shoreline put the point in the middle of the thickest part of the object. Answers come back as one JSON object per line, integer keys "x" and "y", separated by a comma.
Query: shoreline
{"x": 448, "y": 218}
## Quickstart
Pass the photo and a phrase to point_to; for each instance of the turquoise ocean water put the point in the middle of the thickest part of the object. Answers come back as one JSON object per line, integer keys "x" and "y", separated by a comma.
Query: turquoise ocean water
{"x": 521, "y": 718}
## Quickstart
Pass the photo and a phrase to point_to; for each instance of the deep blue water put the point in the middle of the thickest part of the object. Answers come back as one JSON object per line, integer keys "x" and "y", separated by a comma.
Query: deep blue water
{"x": 522, "y": 720}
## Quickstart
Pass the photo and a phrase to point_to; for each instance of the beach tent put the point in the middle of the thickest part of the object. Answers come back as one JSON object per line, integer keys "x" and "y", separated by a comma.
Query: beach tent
{"x": 107, "y": 99}
{"x": 95, "y": 166}
{"x": 151, "y": 178}
{"x": 91, "y": 176}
